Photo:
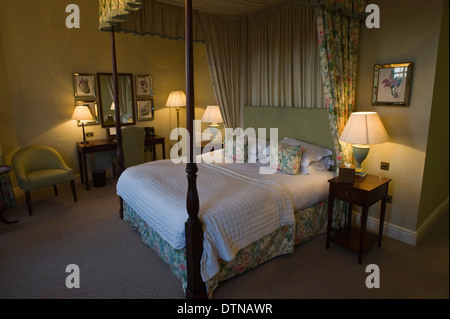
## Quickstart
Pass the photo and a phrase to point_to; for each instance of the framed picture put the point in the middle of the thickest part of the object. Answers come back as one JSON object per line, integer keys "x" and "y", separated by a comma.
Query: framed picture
{"x": 144, "y": 86}
{"x": 84, "y": 85}
{"x": 391, "y": 84}
{"x": 93, "y": 107}
{"x": 145, "y": 110}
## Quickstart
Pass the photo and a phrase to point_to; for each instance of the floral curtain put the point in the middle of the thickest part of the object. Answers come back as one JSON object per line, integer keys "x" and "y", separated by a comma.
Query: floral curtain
{"x": 338, "y": 32}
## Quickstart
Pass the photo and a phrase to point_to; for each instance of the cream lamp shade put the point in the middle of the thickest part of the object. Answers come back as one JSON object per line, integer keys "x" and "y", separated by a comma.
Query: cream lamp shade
{"x": 361, "y": 130}
{"x": 364, "y": 128}
{"x": 212, "y": 115}
{"x": 82, "y": 114}
{"x": 176, "y": 99}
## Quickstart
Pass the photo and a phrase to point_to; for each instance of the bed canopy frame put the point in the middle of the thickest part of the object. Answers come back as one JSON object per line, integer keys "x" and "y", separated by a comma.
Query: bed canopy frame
{"x": 113, "y": 13}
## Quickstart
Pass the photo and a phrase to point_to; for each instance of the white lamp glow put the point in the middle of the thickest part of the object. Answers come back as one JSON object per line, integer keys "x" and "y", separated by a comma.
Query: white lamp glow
{"x": 82, "y": 114}
{"x": 214, "y": 116}
{"x": 177, "y": 99}
{"x": 361, "y": 130}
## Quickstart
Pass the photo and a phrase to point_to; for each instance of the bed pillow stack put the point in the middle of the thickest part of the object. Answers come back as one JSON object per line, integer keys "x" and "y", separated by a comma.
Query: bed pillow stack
{"x": 314, "y": 157}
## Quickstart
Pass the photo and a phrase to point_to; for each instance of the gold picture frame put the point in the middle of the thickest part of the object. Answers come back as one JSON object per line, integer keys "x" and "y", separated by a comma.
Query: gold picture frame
{"x": 84, "y": 86}
{"x": 145, "y": 110}
{"x": 391, "y": 84}
{"x": 144, "y": 86}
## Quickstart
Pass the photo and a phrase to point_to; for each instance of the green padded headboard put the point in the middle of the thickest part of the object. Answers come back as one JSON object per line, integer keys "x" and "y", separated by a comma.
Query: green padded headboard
{"x": 308, "y": 125}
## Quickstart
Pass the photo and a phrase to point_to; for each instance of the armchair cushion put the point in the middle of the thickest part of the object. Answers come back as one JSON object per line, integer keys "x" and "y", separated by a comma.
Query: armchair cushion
{"x": 48, "y": 177}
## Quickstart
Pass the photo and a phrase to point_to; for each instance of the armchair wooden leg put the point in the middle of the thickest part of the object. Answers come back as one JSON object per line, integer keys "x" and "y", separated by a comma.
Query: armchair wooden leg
{"x": 56, "y": 190}
{"x": 74, "y": 191}
{"x": 28, "y": 200}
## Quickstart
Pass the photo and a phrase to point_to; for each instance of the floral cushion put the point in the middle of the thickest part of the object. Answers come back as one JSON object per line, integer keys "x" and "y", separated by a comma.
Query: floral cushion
{"x": 289, "y": 158}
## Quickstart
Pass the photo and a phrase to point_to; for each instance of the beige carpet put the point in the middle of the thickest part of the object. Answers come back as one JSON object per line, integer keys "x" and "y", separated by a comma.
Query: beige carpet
{"x": 114, "y": 263}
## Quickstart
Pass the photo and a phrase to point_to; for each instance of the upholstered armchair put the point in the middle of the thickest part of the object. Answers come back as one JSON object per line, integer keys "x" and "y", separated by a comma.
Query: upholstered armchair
{"x": 133, "y": 143}
{"x": 38, "y": 167}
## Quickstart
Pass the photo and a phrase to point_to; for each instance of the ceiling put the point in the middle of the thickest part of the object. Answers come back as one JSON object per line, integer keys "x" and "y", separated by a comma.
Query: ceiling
{"x": 228, "y": 7}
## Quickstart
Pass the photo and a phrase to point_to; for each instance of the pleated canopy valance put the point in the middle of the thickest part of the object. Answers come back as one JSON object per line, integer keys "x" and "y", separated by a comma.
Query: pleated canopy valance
{"x": 166, "y": 17}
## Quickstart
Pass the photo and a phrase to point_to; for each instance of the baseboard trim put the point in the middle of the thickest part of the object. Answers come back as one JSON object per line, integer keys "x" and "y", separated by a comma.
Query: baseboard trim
{"x": 403, "y": 234}
{"x": 390, "y": 230}
{"x": 399, "y": 233}
{"x": 431, "y": 220}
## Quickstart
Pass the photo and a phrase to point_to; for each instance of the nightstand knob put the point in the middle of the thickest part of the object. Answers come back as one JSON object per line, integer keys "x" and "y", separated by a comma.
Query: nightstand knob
{"x": 346, "y": 194}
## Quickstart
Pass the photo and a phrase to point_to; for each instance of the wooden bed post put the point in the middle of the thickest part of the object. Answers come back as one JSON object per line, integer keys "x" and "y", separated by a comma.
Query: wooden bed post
{"x": 120, "y": 154}
{"x": 193, "y": 227}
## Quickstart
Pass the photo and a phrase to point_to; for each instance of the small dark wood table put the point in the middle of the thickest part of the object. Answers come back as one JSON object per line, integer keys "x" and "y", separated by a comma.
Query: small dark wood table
{"x": 152, "y": 141}
{"x": 109, "y": 145}
{"x": 363, "y": 192}
{"x": 5, "y": 170}
{"x": 92, "y": 147}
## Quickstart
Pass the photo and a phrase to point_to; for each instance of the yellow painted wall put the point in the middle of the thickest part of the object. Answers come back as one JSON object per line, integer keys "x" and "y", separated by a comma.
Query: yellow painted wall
{"x": 39, "y": 54}
{"x": 409, "y": 33}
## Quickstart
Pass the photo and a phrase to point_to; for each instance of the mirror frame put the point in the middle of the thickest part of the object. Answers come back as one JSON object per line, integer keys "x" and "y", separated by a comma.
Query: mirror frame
{"x": 99, "y": 76}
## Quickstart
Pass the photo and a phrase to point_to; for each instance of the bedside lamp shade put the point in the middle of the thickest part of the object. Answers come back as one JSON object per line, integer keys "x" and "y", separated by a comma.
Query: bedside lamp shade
{"x": 212, "y": 115}
{"x": 82, "y": 114}
{"x": 361, "y": 130}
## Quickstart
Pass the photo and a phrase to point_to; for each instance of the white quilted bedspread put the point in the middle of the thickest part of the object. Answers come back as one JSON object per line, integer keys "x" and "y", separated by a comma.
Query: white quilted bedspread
{"x": 235, "y": 210}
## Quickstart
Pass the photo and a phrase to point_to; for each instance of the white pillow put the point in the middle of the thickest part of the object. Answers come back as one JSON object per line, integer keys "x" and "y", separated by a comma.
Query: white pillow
{"x": 321, "y": 165}
{"x": 311, "y": 152}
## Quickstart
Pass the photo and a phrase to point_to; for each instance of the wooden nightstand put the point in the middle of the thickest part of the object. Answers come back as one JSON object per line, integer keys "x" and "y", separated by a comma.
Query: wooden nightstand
{"x": 363, "y": 192}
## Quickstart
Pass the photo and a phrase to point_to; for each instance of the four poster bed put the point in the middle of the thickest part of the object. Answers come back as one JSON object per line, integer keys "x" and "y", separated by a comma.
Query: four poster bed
{"x": 236, "y": 217}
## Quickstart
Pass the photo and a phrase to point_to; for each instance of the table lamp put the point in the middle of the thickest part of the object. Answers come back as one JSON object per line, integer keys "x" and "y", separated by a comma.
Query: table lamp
{"x": 177, "y": 99}
{"x": 361, "y": 130}
{"x": 82, "y": 114}
{"x": 214, "y": 116}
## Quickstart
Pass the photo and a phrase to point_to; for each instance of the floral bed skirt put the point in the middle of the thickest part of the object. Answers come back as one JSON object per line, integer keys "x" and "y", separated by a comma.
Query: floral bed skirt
{"x": 310, "y": 222}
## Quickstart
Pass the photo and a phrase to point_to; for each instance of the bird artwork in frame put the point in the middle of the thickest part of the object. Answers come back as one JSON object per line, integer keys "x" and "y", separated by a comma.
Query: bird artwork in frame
{"x": 391, "y": 84}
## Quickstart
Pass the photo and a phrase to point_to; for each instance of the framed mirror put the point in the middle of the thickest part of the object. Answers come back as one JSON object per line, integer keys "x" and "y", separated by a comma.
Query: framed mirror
{"x": 106, "y": 99}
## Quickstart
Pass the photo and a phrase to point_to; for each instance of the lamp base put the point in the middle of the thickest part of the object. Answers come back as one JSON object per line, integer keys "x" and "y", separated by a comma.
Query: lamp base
{"x": 360, "y": 153}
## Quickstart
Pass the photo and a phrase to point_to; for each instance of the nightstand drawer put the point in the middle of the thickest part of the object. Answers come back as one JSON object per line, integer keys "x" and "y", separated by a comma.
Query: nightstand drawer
{"x": 349, "y": 195}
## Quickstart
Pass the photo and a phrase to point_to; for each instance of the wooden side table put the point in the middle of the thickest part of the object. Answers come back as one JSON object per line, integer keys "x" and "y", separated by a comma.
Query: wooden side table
{"x": 91, "y": 147}
{"x": 94, "y": 146}
{"x": 5, "y": 170}
{"x": 363, "y": 192}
